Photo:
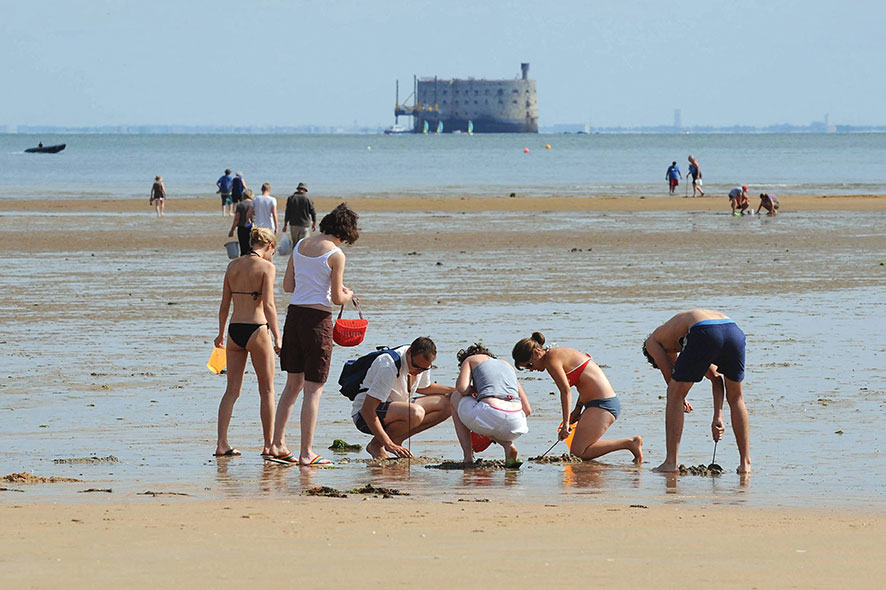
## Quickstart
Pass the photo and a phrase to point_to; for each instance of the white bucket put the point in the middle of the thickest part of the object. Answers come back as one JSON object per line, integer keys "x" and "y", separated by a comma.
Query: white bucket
{"x": 233, "y": 249}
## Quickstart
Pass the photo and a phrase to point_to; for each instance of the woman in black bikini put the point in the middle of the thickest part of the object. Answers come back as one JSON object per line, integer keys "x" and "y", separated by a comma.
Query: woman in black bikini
{"x": 249, "y": 282}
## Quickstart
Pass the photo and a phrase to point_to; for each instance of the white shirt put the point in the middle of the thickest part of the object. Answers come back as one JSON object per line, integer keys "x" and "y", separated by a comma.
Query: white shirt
{"x": 263, "y": 207}
{"x": 385, "y": 384}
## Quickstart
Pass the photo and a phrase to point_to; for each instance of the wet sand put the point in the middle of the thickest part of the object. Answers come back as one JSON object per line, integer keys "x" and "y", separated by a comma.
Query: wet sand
{"x": 118, "y": 311}
{"x": 399, "y": 542}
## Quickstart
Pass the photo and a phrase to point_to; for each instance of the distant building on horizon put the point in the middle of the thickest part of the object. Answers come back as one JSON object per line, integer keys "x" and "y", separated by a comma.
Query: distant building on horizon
{"x": 478, "y": 105}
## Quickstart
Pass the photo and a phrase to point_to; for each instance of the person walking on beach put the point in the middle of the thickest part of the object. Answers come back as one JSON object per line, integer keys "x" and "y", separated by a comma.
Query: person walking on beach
{"x": 264, "y": 209}
{"x": 488, "y": 400}
{"x": 238, "y": 185}
{"x": 300, "y": 216}
{"x": 687, "y": 348}
{"x": 768, "y": 202}
{"x": 158, "y": 196}
{"x": 315, "y": 277}
{"x": 673, "y": 176}
{"x": 386, "y": 409}
{"x": 738, "y": 200}
{"x": 253, "y": 331}
{"x": 224, "y": 190}
{"x": 243, "y": 222}
{"x": 695, "y": 173}
{"x": 597, "y": 406}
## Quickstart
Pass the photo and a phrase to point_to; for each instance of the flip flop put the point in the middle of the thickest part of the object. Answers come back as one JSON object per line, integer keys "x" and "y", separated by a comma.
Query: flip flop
{"x": 228, "y": 453}
{"x": 317, "y": 461}
{"x": 286, "y": 459}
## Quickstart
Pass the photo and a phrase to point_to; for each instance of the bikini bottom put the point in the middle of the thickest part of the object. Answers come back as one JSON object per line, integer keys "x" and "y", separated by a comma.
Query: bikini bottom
{"x": 610, "y": 404}
{"x": 240, "y": 333}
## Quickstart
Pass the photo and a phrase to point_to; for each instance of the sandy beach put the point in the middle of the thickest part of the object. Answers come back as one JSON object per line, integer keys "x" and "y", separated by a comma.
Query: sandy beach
{"x": 129, "y": 306}
{"x": 346, "y": 543}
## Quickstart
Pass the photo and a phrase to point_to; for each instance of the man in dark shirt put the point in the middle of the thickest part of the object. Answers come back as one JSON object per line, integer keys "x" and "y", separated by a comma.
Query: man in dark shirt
{"x": 299, "y": 211}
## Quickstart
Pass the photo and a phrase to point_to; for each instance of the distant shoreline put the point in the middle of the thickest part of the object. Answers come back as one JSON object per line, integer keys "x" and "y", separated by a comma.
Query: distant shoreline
{"x": 873, "y": 202}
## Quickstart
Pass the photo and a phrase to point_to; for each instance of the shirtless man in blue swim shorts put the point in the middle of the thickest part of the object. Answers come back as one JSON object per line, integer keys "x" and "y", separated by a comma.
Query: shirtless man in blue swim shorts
{"x": 687, "y": 348}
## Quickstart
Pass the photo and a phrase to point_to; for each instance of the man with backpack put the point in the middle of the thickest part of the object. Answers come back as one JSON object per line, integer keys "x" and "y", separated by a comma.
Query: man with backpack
{"x": 382, "y": 401}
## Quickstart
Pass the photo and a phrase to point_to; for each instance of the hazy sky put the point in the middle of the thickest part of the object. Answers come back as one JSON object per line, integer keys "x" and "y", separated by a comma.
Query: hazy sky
{"x": 254, "y": 62}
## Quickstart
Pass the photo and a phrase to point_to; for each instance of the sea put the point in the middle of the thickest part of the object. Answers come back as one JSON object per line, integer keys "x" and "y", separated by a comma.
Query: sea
{"x": 84, "y": 377}
{"x": 124, "y": 166}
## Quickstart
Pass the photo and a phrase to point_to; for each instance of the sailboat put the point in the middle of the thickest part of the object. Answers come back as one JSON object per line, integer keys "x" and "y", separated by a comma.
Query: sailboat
{"x": 424, "y": 128}
{"x": 439, "y": 127}
{"x": 470, "y": 127}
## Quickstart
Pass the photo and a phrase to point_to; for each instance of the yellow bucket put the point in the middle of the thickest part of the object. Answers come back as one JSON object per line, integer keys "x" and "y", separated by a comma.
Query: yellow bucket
{"x": 218, "y": 360}
{"x": 568, "y": 439}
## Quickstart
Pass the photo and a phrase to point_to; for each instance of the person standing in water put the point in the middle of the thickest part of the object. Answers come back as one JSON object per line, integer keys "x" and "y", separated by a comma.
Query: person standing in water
{"x": 243, "y": 222}
{"x": 158, "y": 196}
{"x": 673, "y": 176}
{"x": 695, "y": 173}
{"x": 253, "y": 331}
{"x": 687, "y": 348}
{"x": 224, "y": 184}
{"x": 315, "y": 277}
{"x": 597, "y": 406}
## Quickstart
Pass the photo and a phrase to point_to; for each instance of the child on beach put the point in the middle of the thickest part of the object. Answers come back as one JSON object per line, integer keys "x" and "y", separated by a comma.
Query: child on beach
{"x": 597, "y": 406}
{"x": 253, "y": 331}
{"x": 768, "y": 202}
{"x": 488, "y": 400}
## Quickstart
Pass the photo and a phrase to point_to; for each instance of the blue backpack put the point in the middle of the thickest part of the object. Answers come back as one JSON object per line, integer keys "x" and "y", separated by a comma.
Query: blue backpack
{"x": 354, "y": 371}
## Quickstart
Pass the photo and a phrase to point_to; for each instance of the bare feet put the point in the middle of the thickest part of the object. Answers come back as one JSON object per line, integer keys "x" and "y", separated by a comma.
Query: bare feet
{"x": 636, "y": 447}
{"x": 226, "y": 452}
{"x": 375, "y": 449}
{"x": 277, "y": 451}
{"x": 745, "y": 467}
{"x": 666, "y": 468}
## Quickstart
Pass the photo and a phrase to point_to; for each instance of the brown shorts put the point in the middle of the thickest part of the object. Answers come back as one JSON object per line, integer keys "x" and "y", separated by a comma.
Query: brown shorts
{"x": 307, "y": 343}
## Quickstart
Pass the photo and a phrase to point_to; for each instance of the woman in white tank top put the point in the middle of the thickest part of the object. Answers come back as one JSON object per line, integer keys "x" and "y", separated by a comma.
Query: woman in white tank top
{"x": 314, "y": 276}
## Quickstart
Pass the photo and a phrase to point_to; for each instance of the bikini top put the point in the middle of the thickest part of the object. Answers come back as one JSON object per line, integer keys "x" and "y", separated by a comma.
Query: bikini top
{"x": 255, "y": 294}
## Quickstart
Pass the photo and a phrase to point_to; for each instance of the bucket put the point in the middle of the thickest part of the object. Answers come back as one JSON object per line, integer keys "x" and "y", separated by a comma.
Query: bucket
{"x": 480, "y": 442}
{"x": 233, "y": 249}
{"x": 568, "y": 439}
{"x": 349, "y": 332}
{"x": 218, "y": 360}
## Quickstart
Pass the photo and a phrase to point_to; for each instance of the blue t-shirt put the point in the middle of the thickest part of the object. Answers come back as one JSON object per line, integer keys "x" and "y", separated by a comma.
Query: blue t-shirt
{"x": 224, "y": 183}
{"x": 673, "y": 172}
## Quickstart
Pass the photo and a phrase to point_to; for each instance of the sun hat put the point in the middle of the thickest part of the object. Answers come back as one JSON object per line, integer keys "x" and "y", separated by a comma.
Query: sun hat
{"x": 302, "y": 185}
{"x": 744, "y": 187}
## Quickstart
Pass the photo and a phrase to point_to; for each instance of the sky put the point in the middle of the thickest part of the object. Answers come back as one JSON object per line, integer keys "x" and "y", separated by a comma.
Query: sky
{"x": 292, "y": 63}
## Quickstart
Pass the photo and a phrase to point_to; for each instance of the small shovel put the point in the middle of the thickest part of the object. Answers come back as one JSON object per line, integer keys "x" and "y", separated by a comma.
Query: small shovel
{"x": 713, "y": 466}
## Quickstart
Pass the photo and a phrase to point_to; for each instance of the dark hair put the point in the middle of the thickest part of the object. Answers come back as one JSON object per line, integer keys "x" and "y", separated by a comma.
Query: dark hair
{"x": 227, "y": 170}
{"x": 647, "y": 355}
{"x": 674, "y": 163}
{"x": 475, "y": 348}
{"x": 523, "y": 350}
{"x": 341, "y": 222}
{"x": 423, "y": 346}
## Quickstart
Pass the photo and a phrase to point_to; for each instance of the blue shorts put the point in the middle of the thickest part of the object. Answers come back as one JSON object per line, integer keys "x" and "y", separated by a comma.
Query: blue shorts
{"x": 610, "y": 404}
{"x": 711, "y": 342}
{"x": 381, "y": 411}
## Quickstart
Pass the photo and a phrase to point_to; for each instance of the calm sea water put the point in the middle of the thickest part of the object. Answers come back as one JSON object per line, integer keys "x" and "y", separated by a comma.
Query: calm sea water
{"x": 447, "y": 165}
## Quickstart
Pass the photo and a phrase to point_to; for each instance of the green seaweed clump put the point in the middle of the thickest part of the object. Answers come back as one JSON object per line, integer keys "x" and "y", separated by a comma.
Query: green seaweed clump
{"x": 340, "y": 446}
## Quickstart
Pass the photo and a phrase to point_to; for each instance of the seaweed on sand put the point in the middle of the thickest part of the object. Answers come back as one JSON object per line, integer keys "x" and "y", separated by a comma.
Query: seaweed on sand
{"x": 383, "y": 492}
{"x": 340, "y": 446}
{"x": 564, "y": 458}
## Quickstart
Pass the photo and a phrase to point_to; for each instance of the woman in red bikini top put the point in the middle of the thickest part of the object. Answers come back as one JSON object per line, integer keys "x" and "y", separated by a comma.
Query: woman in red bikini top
{"x": 597, "y": 406}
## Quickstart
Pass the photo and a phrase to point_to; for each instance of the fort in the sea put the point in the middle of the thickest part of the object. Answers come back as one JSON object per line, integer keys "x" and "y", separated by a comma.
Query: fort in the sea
{"x": 473, "y": 105}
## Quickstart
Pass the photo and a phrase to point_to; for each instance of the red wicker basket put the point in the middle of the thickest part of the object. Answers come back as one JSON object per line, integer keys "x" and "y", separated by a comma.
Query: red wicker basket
{"x": 480, "y": 442}
{"x": 349, "y": 332}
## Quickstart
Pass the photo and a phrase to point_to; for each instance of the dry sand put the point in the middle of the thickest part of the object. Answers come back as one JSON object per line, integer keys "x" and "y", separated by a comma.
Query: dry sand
{"x": 349, "y": 543}
{"x": 455, "y": 204}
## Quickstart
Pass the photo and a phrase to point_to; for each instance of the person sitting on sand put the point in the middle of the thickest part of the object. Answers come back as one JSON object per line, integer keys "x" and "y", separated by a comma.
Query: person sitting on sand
{"x": 738, "y": 200}
{"x": 387, "y": 412}
{"x": 768, "y": 202}
{"x": 249, "y": 282}
{"x": 597, "y": 406}
{"x": 688, "y": 347}
{"x": 488, "y": 400}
